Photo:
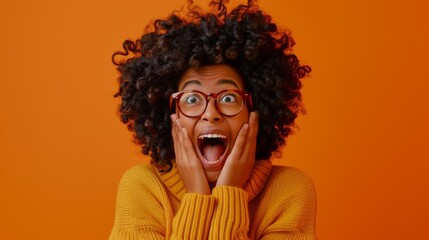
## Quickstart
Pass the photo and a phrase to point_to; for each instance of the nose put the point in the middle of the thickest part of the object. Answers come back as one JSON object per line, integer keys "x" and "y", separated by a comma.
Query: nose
{"x": 211, "y": 114}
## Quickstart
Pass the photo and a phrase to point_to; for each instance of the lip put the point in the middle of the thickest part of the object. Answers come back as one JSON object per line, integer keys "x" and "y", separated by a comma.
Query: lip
{"x": 216, "y": 165}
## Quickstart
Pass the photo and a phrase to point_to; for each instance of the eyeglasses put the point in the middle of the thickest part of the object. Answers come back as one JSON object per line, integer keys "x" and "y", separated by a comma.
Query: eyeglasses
{"x": 193, "y": 103}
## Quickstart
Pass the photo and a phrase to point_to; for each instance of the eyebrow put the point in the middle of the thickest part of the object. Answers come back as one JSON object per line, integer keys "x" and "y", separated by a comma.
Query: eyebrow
{"x": 220, "y": 82}
{"x": 191, "y": 82}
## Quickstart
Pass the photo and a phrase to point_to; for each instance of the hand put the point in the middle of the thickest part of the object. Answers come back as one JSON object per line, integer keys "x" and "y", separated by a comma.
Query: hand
{"x": 240, "y": 162}
{"x": 188, "y": 164}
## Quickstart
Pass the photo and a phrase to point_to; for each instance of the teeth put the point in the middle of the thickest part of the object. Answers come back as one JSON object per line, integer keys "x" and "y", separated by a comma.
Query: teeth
{"x": 211, "y": 136}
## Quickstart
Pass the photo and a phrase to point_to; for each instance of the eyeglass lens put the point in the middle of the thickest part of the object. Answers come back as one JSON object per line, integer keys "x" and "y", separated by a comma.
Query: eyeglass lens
{"x": 194, "y": 103}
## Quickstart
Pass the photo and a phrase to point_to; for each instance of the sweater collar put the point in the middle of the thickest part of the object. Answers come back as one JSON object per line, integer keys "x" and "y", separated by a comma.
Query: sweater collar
{"x": 253, "y": 187}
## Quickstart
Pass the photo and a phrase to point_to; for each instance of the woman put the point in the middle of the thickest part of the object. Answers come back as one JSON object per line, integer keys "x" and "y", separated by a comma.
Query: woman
{"x": 210, "y": 97}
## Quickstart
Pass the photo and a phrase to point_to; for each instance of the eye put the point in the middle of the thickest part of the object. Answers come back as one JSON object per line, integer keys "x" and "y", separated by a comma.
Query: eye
{"x": 228, "y": 98}
{"x": 191, "y": 99}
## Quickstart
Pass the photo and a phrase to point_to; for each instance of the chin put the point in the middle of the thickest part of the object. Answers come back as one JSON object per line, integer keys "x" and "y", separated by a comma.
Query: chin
{"x": 212, "y": 176}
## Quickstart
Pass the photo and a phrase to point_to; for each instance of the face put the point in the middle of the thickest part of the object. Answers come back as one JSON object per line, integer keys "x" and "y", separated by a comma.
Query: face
{"x": 212, "y": 134}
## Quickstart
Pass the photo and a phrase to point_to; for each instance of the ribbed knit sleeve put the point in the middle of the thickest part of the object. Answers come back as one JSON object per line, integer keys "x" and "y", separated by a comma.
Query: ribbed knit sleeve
{"x": 194, "y": 216}
{"x": 231, "y": 216}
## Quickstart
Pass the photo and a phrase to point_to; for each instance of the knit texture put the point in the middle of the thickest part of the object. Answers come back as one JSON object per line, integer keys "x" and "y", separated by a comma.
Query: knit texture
{"x": 276, "y": 203}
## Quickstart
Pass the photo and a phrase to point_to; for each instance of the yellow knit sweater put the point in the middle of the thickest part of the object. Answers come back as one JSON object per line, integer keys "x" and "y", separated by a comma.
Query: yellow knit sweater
{"x": 276, "y": 203}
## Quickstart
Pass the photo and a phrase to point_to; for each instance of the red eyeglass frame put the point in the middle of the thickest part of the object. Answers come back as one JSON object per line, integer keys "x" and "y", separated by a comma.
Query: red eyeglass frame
{"x": 247, "y": 97}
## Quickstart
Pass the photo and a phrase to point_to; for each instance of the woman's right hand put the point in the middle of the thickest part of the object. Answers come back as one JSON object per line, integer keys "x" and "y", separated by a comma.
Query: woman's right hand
{"x": 188, "y": 164}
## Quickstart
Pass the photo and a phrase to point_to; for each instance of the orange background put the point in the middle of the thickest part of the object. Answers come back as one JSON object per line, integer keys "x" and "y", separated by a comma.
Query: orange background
{"x": 363, "y": 141}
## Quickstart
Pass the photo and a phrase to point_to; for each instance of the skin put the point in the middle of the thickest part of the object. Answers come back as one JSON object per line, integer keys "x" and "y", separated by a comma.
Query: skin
{"x": 241, "y": 131}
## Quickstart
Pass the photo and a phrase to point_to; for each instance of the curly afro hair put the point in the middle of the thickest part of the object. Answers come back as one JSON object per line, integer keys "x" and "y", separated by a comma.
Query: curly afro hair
{"x": 245, "y": 38}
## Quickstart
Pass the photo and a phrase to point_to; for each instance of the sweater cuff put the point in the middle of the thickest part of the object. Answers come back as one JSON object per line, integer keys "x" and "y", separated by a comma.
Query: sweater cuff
{"x": 231, "y": 216}
{"x": 193, "y": 218}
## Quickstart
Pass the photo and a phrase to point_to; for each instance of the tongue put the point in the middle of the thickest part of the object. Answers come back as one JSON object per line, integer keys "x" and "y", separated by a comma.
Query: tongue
{"x": 213, "y": 153}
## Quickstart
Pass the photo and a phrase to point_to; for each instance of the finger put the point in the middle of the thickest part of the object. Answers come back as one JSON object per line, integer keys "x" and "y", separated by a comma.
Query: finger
{"x": 255, "y": 129}
{"x": 256, "y": 120}
{"x": 240, "y": 142}
{"x": 175, "y": 135}
{"x": 186, "y": 142}
{"x": 179, "y": 131}
{"x": 179, "y": 135}
{"x": 181, "y": 144}
{"x": 173, "y": 128}
{"x": 181, "y": 156}
{"x": 189, "y": 147}
{"x": 250, "y": 136}
{"x": 188, "y": 155}
{"x": 254, "y": 124}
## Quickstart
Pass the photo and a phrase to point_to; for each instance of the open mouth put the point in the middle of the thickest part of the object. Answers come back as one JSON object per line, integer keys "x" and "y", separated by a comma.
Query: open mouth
{"x": 212, "y": 149}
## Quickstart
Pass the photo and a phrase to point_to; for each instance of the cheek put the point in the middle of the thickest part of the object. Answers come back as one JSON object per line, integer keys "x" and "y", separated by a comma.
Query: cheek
{"x": 188, "y": 123}
{"x": 237, "y": 124}
{"x": 243, "y": 117}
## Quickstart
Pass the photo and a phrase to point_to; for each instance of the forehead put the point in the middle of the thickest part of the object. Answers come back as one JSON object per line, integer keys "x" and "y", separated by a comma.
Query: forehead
{"x": 213, "y": 76}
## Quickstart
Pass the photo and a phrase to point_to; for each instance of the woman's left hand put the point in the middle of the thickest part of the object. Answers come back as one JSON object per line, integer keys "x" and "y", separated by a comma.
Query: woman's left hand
{"x": 239, "y": 164}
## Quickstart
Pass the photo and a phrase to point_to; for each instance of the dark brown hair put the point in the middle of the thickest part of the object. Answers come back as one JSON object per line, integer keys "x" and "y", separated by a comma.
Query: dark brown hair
{"x": 245, "y": 38}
